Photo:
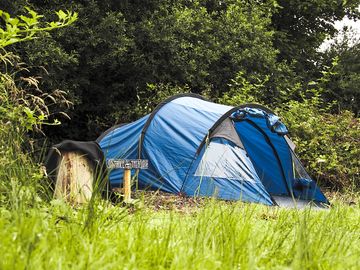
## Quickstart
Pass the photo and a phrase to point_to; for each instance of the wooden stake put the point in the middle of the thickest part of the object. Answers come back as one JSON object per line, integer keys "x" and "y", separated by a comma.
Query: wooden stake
{"x": 127, "y": 184}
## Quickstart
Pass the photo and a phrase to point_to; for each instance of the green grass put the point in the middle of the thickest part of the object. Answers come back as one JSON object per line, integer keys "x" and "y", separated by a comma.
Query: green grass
{"x": 216, "y": 236}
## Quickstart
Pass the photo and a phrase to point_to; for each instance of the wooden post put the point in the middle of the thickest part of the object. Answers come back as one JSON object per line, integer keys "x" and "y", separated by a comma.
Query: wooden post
{"x": 74, "y": 181}
{"x": 127, "y": 165}
{"x": 127, "y": 183}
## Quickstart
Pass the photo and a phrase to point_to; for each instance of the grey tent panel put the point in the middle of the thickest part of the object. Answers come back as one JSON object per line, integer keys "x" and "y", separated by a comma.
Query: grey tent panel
{"x": 227, "y": 131}
{"x": 227, "y": 162}
{"x": 290, "y": 143}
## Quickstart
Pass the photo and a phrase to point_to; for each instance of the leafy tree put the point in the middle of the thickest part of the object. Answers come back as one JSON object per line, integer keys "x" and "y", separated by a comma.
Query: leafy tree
{"x": 26, "y": 109}
{"x": 343, "y": 86}
{"x": 117, "y": 48}
{"x": 302, "y": 25}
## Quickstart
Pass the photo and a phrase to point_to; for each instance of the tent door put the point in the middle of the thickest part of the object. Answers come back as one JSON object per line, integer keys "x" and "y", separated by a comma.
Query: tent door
{"x": 264, "y": 157}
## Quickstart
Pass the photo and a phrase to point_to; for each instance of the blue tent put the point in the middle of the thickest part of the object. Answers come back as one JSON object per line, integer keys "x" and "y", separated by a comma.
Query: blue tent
{"x": 200, "y": 148}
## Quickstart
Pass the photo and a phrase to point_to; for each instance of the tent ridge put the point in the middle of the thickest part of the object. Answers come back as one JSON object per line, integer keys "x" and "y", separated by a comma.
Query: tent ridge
{"x": 158, "y": 107}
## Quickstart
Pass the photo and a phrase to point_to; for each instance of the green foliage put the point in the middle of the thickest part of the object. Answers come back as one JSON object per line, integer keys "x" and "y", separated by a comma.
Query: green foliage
{"x": 115, "y": 51}
{"x": 117, "y": 48}
{"x": 23, "y": 105}
{"x": 243, "y": 91}
{"x": 20, "y": 112}
{"x": 24, "y": 108}
{"x": 302, "y": 25}
{"x": 25, "y": 28}
{"x": 328, "y": 144}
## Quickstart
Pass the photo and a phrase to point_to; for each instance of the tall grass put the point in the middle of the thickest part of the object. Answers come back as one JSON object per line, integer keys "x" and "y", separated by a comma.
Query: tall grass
{"x": 217, "y": 236}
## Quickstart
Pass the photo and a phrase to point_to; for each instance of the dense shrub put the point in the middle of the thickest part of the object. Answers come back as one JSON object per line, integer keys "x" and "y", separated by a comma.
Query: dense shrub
{"x": 328, "y": 144}
{"x": 117, "y": 48}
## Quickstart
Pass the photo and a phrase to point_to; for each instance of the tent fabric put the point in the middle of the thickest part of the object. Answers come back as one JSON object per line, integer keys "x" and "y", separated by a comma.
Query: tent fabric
{"x": 290, "y": 143}
{"x": 272, "y": 120}
{"x": 122, "y": 142}
{"x": 311, "y": 190}
{"x": 201, "y": 148}
{"x": 262, "y": 156}
{"x": 227, "y": 131}
{"x": 269, "y": 151}
{"x": 105, "y": 133}
{"x": 224, "y": 169}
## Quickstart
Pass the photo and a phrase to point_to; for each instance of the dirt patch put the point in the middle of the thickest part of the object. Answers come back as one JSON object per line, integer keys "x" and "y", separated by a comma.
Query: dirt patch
{"x": 159, "y": 200}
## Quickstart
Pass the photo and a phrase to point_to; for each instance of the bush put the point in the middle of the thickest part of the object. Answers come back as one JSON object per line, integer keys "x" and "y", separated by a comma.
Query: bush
{"x": 20, "y": 112}
{"x": 328, "y": 144}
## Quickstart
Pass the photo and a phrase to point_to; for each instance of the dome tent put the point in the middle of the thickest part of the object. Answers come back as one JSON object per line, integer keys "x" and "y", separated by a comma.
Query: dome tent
{"x": 201, "y": 148}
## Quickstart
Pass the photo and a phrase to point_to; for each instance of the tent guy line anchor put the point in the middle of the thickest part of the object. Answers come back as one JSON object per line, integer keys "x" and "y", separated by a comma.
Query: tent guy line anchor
{"x": 127, "y": 165}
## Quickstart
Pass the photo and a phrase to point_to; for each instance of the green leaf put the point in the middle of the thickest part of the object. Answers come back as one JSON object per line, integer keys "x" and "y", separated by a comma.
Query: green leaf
{"x": 4, "y": 15}
{"x": 13, "y": 21}
{"x": 62, "y": 15}
{"x": 33, "y": 13}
